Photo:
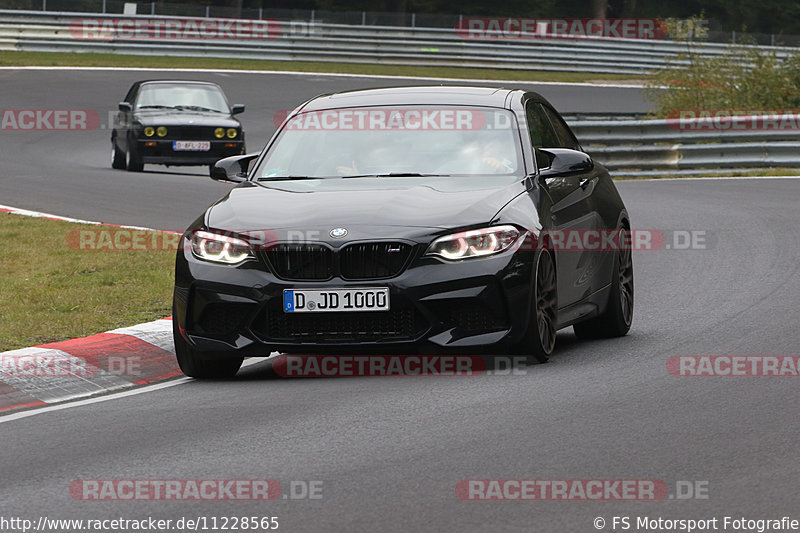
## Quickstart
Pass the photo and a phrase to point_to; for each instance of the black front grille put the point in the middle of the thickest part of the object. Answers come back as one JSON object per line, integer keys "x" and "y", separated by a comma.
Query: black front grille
{"x": 474, "y": 317}
{"x": 223, "y": 318}
{"x": 358, "y": 261}
{"x": 373, "y": 260}
{"x": 191, "y": 133}
{"x": 301, "y": 261}
{"x": 468, "y": 315}
{"x": 399, "y": 324}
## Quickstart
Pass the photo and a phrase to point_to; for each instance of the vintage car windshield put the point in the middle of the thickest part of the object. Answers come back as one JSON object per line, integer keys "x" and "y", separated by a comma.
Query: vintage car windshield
{"x": 192, "y": 97}
{"x": 395, "y": 141}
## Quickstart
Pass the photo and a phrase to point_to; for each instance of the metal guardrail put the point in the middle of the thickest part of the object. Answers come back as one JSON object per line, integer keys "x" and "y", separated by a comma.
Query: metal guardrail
{"x": 648, "y": 147}
{"x": 302, "y": 41}
{"x": 712, "y": 32}
{"x": 629, "y": 146}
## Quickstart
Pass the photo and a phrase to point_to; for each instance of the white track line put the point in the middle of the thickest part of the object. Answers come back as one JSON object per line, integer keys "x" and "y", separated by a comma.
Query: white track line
{"x": 38, "y": 214}
{"x": 41, "y": 410}
{"x": 341, "y": 75}
{"x": 109, "y": 397}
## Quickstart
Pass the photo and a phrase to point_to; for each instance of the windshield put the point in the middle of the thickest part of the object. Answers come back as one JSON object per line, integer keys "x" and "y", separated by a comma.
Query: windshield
{"x": 197, "y": 97}
{"x": 398, "y": 141}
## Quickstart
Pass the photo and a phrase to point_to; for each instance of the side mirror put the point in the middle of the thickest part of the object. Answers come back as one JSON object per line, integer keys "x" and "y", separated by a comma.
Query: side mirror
{"x": 125, "y": 107}
{"x": 232, "y": 169}
{"x": 563, "y": 162}
{"x": 237, "y": 108}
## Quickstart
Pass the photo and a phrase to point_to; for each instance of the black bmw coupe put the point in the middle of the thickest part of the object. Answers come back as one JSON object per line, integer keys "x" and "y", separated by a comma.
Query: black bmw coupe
{"x": 411, "y": 220}
{"x": 174, "y": 122}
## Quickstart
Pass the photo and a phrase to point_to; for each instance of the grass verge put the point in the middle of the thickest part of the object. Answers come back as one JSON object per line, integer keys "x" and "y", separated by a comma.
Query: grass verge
{"x": 51, "y": 290}
{"x": 73, "y": 59}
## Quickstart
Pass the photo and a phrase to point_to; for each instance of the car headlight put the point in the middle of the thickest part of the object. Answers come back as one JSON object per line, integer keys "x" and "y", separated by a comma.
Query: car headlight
{"x": 232, "y": 133}
{"x": 161, "y": 131}
{"x": 149, "y": 131}
{"x": 474, "y": 243}
{"x": 219, "y": 248}
{"x": 219, "y": 133}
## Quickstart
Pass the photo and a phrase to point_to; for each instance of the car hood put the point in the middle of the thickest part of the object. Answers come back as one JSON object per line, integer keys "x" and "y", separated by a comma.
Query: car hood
{"x": 184, "y": 118}
{"x": 387, "y": 202}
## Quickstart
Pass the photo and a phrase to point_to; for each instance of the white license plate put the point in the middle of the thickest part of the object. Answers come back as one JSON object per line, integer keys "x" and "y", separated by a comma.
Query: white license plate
{"x": 191, "y": 146}
{"x": 335, "y": 300}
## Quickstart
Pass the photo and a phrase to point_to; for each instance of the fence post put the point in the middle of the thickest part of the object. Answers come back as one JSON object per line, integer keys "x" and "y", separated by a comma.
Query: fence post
{"x": 44, "y": 5}
{"x": 413, "y": 20}
{"x": 363, "y": 18}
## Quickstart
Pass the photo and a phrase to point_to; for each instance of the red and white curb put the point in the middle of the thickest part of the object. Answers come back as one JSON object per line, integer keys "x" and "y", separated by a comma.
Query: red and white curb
{"x": 83, "y": 367}
{"x": 80, "y": 368}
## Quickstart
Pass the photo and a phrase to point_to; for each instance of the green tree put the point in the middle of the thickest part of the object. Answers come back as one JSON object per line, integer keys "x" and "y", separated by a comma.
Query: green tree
{"x": 742, "y": 78}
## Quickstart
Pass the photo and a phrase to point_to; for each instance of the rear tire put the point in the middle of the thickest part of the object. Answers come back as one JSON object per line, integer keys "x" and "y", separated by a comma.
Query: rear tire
{"x": 540, "y": 339}
{"x": 194, "y": 365}
{"x": 117, "y": 156}
{"x": 617, "y": 318}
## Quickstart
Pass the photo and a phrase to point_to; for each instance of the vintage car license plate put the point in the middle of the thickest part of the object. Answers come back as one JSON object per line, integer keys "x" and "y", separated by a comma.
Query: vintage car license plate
{"x": 335, "y": 300}
{"x": 191, "y": 146}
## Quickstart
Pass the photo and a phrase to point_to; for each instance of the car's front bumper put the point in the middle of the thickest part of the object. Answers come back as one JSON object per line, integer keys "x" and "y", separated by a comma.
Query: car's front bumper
{"x": 473, "y": 306}
{"x": 161, "y": 152}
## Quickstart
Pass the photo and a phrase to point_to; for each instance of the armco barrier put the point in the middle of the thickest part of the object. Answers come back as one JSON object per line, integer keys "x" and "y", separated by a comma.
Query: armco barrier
{"x": 304, "y": 41}
{"x": 626, "y": 146}
{"x": 642, "y": 147}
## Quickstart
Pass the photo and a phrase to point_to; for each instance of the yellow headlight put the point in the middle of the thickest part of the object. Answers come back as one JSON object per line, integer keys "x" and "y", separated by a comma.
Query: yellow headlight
{"x": 149, "y": 131}
{"x": 219, "y": 133}
{"x": 162, "y": 131}
{"x": 232, "y": 133}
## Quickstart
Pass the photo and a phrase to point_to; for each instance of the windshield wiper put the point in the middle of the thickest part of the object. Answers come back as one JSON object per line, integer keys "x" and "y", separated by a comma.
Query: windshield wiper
{"x": 155, "y": 107}
{"x": 390, "y": 175}
{"x": 397, "y": 175}
{"x": 196, "y": 108}
{"x": 287, "y": 178}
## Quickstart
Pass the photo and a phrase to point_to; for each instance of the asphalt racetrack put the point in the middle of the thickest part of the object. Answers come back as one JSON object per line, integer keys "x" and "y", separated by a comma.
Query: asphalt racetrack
{"x": 389, "y": 452}
{"x": 68, "y": 173}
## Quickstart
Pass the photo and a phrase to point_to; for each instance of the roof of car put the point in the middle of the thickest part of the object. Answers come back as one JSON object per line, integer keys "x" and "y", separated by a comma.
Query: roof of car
{"x": 436, "y": 94}
{"x": 142, "y": 82}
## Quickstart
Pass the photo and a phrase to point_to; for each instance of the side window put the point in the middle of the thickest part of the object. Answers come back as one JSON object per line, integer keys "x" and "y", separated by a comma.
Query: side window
{"x": 131, "y": 94}
{"x": 565, "y": 137}
{"x": 542, "y": 134}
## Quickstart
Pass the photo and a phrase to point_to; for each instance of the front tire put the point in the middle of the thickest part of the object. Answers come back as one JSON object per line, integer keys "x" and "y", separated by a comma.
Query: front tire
{"x": 133, "y": 161}
{"x": 117, "y": 156}
{"x": 617, "y": 318}
{"x": 540, "y": 339}
{"x": 194, "y": 365}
